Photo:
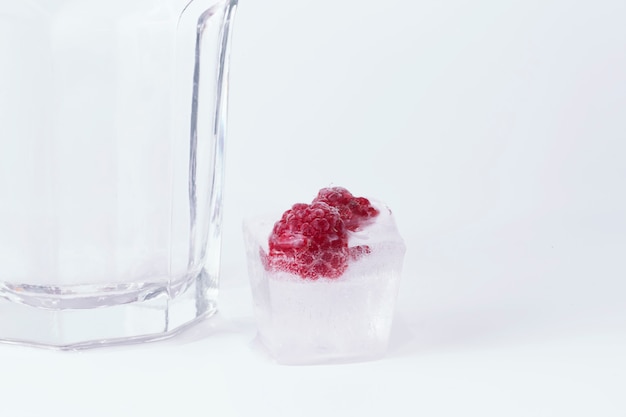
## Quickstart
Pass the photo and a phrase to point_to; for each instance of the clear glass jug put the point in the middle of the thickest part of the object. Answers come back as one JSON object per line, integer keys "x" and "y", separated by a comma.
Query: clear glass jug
{"x": 112, "y": 124}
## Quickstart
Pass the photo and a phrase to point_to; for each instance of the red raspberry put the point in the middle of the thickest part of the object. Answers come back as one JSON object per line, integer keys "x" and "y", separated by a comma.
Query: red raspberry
{"x": 353, "y": 210}
{"x": 309, "y": 240}
{"x": 357, "y": 252}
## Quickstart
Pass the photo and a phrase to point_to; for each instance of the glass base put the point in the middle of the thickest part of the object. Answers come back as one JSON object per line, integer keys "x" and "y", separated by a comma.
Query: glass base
{"x": 66, "y": 319}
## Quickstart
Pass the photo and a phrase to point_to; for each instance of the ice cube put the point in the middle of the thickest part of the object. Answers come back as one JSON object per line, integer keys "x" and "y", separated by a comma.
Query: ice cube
{"x": 302, "y": 321}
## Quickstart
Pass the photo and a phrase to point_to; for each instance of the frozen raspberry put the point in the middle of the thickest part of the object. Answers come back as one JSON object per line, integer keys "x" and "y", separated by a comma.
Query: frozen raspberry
{"x": 357, "y": 252}
{"x": 354, "y": 211}
{"x": 310, "y": 240}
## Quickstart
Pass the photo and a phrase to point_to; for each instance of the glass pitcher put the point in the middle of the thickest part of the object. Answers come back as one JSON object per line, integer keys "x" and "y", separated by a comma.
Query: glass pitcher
{"x": 112, "y": 125}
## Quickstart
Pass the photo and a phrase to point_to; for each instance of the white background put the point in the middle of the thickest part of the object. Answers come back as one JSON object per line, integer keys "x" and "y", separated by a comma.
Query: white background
{"x": 495, "y": 130}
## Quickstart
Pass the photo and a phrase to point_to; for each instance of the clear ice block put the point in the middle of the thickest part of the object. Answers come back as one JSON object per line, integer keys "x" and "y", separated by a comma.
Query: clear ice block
{"x": 303, "y": 321}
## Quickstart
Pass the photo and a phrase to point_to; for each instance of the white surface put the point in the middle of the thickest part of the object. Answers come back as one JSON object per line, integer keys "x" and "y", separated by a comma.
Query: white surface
{"x": 495, "y": 130}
